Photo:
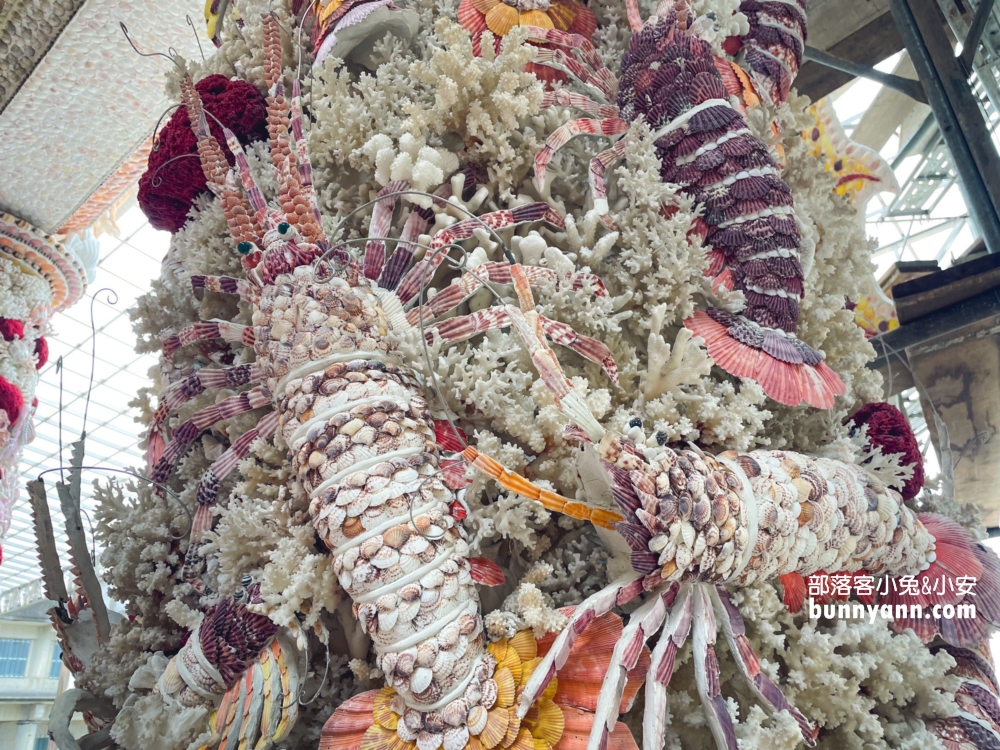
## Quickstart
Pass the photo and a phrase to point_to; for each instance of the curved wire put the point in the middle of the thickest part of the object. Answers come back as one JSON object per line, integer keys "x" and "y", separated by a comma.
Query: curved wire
{"x": 111, "y": 300}
{"x": 133, "y": 474}
{"x": 170, "y": 54}
{"x": 156, "y": 180}
{"x": 93, "y": 539}
{"x": 59, "y": 369}
{"x": 322, "y": 682}
{"x": 187, "y": 17}
{"x": 438, "y": 199}
{"x": 156, "y": 128}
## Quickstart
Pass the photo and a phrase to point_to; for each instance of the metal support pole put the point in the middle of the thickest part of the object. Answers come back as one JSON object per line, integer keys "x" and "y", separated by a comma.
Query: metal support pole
{"x": 971, "y": 43}
{"x": 961, "y": 122}
{"x": 908, "y": 86}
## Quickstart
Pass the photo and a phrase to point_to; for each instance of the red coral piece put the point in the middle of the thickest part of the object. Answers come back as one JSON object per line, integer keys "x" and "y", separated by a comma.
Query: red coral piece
{"x": 889, "y": 431}
{"x": 11, "y": 400}
{"x": 42, "y": 350}
{"x": 167, "y": 199}
{"x": 11, "y": 329}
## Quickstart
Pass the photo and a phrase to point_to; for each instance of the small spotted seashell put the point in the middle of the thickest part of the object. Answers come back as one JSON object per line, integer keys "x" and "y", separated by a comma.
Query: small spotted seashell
{"x": 727, "y": 550}
{"x": 409, "y": 593}
{"x": 448, "y": 637}
{"x": 489, "y": 691}
{"x": 396, "y": 536}
{"x": 699, "y": 546}
{"x": 414, "y": 545}
{"x": 467, "y": 624}
{"x": 427, "y": 654}
{"x": 696, "y": 485}
{"x": 707, "y": 561}
{"x": 677, "y": 479}
{"x": 750, "y": 467}
{"x": 887, "y": 507}
{"x": 385, "y": 558}
{"x": 741, "y": 538}
{"x": 455, "y": 738}
{"x": 658, "y": 542}
{"x": 420, "y": 679}
{"x": 387, "y": 620}
{"x": 429, "y": 740}
{"x": 712, "y": 536}
{"x": 445, "y": 663}
{"x": 702, "y": 512}
{"x": 404, "y": 666}
{"x": 720, "y": 508}
{"x": 685, "y": 506}
{"x": 727, "y": 530}
{"x": 429, "y": 597}
{"x": 455, "y": 712}
{"x": 683, "y": 558}
{"x": 432, "y": 579}
{"x": 477, "y": 718}
{"x": 687, "y": 534}
{"x": 370, "y": 547}
{"x": 434, "y": 722}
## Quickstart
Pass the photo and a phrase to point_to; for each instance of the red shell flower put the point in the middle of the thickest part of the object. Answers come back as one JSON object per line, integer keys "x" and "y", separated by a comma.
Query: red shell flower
{"x": 42, "y": 350}
{"x": 889, "y": 431}
{"x": 11, "y": 400}
{"x": 167, "y": 195}
{"x": 11, "y": 329}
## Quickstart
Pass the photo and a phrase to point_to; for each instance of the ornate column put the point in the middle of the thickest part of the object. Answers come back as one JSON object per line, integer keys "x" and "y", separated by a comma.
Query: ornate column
{"x": 39, "y": 276}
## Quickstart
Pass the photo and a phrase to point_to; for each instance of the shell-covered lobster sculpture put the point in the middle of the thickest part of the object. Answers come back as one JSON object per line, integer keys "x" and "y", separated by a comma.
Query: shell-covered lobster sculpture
{"x": 670, "y": 79}
{"x": 366, "y": 450}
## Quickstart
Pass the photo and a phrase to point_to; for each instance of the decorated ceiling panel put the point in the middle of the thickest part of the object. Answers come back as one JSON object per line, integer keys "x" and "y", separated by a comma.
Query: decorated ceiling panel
{"x": 80, "y": 110}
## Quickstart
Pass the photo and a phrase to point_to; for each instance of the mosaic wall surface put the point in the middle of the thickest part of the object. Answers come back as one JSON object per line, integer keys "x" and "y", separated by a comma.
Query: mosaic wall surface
{"x": 107, "y": 99}
{"x": 27, "y": 30}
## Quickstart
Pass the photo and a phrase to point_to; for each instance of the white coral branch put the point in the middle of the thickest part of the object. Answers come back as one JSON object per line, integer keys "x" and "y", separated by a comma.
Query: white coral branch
{"x": 669, "y": 368}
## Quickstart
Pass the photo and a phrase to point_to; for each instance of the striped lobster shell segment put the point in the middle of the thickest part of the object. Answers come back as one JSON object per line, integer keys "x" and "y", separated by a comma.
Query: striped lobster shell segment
{"x": 670, "y": 79}
{"x": 775, "y": 44}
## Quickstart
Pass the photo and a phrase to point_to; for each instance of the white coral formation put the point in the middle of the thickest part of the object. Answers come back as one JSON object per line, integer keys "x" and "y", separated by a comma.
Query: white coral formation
{"x": 427, "y": 111}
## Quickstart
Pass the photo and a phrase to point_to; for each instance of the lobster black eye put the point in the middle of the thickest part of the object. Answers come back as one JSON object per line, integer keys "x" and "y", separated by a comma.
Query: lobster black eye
{"x": 283, "y": 228}
{"x": 244, "y": 247}
{"x": 635, "y": 422}
{"x": 661, "y": 438}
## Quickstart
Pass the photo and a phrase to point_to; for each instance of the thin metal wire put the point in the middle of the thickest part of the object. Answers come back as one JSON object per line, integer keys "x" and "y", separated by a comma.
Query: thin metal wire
{"x": 197, "y": 38}
{"x": 170, "y": 54}
{"x": 156, "y": 180}
{"x": 59, "y": 369}
{"x": 981, "y": 438}
{"x": 322, "y": 682}
{"x": 112, "y": 299}
{"x": 93, "y": 539}
{"x": 156, "y": 128}
{"x": 133, "y": 474}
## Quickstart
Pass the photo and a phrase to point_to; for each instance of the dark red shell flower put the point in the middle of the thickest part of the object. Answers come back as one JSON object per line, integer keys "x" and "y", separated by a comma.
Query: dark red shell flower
{"x": 889, "y": 431}
{"x": 167, "y": 197}
{"x": 11, "y": 329}
{"x": 42, "y": 350}
{"x": 11, "y": 400}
